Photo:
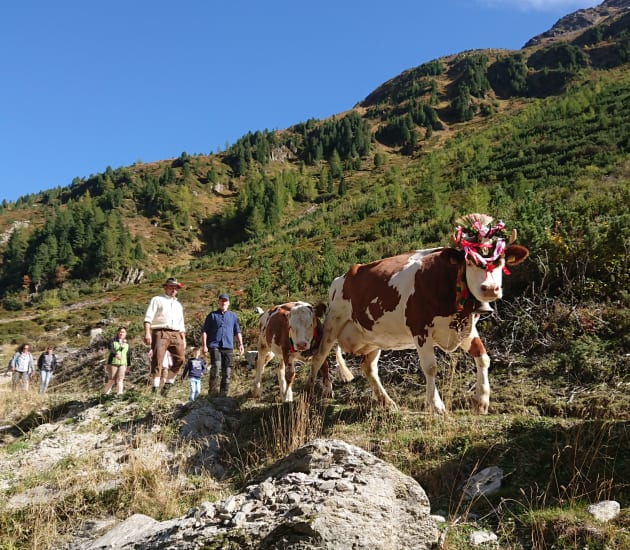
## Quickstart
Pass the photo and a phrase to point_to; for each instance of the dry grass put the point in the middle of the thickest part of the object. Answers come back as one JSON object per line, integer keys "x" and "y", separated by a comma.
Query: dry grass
{"x": 49, "y": 499}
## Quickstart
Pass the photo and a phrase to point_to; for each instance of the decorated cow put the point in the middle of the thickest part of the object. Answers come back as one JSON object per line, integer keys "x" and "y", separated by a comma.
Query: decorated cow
{"x": 423, "y": 299}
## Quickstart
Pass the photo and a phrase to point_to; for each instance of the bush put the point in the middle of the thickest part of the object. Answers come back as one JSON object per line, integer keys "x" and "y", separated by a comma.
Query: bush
{"x": 12, "y": 302}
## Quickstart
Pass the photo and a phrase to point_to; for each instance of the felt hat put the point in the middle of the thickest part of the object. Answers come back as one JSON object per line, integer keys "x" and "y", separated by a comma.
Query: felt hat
{"x": 172, "y": 281}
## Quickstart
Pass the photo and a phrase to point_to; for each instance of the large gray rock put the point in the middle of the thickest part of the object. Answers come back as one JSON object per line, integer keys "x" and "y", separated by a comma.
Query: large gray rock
{"x": 326, "y": 495}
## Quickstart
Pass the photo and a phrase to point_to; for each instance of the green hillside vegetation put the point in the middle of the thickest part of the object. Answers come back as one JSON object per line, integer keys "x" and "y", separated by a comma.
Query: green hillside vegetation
{"x": 539, "y": 138}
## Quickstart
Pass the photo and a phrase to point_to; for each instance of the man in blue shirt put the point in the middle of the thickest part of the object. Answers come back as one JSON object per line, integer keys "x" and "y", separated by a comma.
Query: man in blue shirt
{"x": 217, "y": 336}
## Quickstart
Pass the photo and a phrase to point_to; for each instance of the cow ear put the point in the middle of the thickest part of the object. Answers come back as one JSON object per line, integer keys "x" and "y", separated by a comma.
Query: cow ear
{"x": 320, "y": 309}
{"x": 515, "y": 254}
{"x": 452, "y": 255}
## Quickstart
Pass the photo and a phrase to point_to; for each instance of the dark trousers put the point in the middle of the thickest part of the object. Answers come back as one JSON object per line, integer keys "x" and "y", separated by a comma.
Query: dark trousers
{"x": 220, "y": 369}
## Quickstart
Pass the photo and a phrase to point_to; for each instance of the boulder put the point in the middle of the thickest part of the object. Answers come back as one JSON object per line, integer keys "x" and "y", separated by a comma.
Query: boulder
{"x": 327, "y": 494}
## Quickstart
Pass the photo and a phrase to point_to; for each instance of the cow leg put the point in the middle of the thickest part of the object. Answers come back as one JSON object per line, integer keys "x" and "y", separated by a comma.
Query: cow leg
{"x": 318, "y": 360}
{"x": 426, "y": 354}
{"x": 262, "y": 358}
{"x": 327, "y": 390}
{"x": 282, "y": 380}
{"x": 342, "y": 366}
{"x": 481, "y": 399}
{"x": 289, "y": 377}
{"x": 369, "y": 366}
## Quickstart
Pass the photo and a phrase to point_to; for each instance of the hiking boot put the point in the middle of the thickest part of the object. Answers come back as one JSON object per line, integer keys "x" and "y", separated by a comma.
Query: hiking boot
{"x": 165, "y": 389}
{"x": 154, "y": 389}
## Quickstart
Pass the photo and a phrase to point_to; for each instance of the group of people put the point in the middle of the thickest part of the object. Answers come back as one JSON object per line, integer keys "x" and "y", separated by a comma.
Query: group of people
{"x": 165, "y": 334}
{"x": 23, "y": 368}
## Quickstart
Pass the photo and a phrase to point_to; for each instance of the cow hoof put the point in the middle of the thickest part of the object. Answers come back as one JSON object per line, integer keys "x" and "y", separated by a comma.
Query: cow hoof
{"x": 437, "y": 410}
{"x": 388, "y": 403}
{"x": 480, "y": 406}
{"x": 327, "y": 391}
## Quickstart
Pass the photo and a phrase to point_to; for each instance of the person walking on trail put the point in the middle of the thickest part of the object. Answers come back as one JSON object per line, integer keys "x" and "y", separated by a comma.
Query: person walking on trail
{"x": 219, "y": 331}
{"x": 164, "y": 330}
{"x": 195, "y": 368}
{"x": 22, "y": 368}
{"x": 118, "y": 361}
{"x": 46, "y": 363}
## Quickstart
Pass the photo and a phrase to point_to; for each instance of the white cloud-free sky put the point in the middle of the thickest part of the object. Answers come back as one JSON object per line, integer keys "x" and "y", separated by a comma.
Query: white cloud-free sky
{"x": 87, "y": 85}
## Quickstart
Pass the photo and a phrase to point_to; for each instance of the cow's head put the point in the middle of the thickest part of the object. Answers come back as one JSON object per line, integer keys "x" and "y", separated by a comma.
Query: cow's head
{"x": 303, "y": 326}
{"x": 486, "y": 254}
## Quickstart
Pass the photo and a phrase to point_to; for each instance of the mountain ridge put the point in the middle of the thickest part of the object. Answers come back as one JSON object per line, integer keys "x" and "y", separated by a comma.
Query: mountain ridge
{"x": 580, "y": 20}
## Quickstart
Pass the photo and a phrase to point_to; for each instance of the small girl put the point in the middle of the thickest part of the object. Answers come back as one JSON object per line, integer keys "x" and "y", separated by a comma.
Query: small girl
{"x": 195, "y": 368}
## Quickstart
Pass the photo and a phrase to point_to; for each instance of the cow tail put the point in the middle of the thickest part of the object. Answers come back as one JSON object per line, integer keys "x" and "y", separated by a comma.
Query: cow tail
{"x": 343, "y": 369}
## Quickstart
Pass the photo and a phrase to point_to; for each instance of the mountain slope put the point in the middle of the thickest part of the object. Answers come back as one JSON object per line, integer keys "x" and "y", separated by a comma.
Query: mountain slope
{"x": 481, "y": 130}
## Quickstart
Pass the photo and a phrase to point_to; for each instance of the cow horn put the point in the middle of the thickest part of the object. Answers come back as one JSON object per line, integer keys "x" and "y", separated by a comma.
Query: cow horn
{"x": 512, "y": 238}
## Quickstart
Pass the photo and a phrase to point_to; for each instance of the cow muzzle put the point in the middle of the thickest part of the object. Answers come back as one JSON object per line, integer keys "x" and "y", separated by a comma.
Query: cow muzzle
{"x": 490, "y": 290}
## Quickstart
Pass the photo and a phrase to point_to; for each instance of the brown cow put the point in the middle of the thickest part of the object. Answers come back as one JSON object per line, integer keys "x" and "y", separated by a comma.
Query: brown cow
{"x": 292, "y": 331}
{"x": 422, "y": 299}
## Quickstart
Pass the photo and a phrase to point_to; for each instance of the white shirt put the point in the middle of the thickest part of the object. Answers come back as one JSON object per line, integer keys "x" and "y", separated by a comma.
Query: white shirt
{"x": 165, "y": 312}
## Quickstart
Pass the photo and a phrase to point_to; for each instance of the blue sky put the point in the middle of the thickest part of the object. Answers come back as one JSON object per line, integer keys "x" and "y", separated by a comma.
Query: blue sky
{"x": 87, "y": 85}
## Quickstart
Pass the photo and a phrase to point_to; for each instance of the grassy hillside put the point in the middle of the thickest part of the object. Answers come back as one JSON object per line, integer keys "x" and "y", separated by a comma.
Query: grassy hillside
{"x": 539, "y": 138}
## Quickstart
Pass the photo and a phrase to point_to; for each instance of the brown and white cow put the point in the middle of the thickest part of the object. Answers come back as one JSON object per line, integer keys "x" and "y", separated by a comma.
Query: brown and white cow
{"x": 291, "y": 331}
{"x": 421, "y": 299}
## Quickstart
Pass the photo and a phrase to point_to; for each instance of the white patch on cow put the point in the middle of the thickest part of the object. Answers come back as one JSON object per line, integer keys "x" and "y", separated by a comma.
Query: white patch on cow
{"x": 416, "y": 257}
{"x": 302, "y": 325}
{"x": 486, "y": 286}
{"x": 447, "y": 338}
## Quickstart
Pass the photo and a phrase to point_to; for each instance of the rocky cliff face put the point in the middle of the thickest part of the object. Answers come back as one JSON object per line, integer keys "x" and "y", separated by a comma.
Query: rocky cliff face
{"x": 580, "y": 20}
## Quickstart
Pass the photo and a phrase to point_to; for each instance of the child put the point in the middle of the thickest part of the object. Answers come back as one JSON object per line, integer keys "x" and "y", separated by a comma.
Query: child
{"x": 195, "y": 368}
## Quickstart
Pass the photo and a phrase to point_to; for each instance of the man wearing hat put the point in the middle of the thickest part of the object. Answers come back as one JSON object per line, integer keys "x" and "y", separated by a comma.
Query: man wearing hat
{"x": 164, "y": 330}
{"x": 219, "y": 331}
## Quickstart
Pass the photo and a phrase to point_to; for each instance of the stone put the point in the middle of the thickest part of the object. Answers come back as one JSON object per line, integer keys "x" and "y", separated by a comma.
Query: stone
{"x": 605, "y": 510}
{"x": 287, "y": 508}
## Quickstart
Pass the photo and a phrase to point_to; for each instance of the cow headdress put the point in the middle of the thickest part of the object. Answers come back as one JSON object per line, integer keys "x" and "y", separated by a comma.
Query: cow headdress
{"x": 482, "y": 242}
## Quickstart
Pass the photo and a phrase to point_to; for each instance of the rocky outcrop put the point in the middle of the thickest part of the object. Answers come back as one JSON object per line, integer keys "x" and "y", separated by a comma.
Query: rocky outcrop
{"x": 327, "y": 494}
{"x": 130, "y": 276}
{"x": 581, "y": 20}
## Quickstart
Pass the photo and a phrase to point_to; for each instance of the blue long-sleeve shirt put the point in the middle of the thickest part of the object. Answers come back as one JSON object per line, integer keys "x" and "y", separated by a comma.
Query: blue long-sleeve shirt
{"x": 220, "y": 329}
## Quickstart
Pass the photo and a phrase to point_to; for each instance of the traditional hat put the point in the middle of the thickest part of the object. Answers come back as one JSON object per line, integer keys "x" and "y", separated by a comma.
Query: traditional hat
{"x": 172, "y": 281}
